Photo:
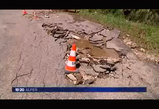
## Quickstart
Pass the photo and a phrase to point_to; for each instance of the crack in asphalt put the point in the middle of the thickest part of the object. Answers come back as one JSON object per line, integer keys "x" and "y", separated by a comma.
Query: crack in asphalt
{"x": 18, "y": 76}
{"x": 29, "y": 76}
{"x": 110, "y": 39}
{"x": 17, "y": 72}
{"x": 20, "y": 56}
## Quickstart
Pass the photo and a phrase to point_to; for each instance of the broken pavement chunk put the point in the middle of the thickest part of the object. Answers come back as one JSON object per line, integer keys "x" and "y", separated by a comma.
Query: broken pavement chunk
{"x": 96, "y": 42}
{"x": 116, "y": 44}
{"x": 60, "y": 32}
{"x": 116, "y": 33}
{"x": 57, "y": 35}
{"x": 104, "y": 66}
{"x": 87, "y": 79}
{"x": 96, "y": 37}
{"x": 98, "y": 68}
{"x": 99, "y": 45}
{"x": 71, "y": 77}
{"x": 74, "y": 36}
{"x": 110, "y": 33}
{"x": 85, "y": 59}
{"x": 113, "y": 61}
{"x": 79, "y": 78}
{"x": 76, "y": 78}
{"x": 87, "y": 70}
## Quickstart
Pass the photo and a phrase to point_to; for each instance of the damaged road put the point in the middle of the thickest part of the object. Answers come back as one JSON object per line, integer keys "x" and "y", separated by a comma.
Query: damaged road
{"x": 33, "y": 53}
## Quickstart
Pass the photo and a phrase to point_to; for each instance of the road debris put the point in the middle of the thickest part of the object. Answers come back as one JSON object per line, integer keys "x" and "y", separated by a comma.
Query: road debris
{"x": 46, "y": 16}
{"x": 139, "y": 51}
{"x": 87, "y": 79}
{"x": 99, "y": 68}
{"x": 71, "y": 77}
{"x": 74, "y": 36}
{"x": 92, "y": 52}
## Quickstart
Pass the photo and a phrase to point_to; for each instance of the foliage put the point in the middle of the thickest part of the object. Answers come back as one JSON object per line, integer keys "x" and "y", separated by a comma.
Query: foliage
{"x": 147, "y": 16}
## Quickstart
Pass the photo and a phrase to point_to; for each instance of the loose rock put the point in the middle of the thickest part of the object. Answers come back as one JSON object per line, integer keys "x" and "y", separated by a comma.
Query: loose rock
{"x": 109, "y": 34}
{"x": 79, "y": 78}
{"x": 143, "y": 50}
{"x": 105, "y": 33}
{"x": 72, "y": 77}
{"x": 130, "y": 43}
{"x": 113, "y": 44}
{"x": 88, "y": 70}
{"x": 98, "y": 68}
{"x": 74, "y": 36}
{"x": 87, "y": 79}
{"x": 85, "y": 60}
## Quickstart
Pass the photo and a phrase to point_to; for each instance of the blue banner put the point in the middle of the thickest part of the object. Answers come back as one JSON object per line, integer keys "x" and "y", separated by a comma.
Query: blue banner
{"x": 79, "y": 89}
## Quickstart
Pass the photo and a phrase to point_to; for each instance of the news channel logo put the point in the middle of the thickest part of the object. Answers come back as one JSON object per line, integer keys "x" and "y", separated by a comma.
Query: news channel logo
{"x": 19, "y": 89}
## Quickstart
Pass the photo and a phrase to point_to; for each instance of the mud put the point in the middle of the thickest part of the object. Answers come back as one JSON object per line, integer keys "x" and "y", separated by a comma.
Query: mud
{"x": 95, "y": 51}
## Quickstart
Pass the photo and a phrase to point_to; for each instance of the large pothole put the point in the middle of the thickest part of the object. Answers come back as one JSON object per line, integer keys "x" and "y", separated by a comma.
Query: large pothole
{"x": 94, "y": 59}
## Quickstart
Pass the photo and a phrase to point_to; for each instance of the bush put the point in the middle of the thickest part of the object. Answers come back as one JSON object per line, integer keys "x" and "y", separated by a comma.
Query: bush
{"x": 147, "y": 16}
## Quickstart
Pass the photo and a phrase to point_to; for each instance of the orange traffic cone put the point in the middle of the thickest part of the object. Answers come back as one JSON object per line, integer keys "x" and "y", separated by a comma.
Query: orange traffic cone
{"x": 24, "y": 12}
{"x": 71, "y": 63}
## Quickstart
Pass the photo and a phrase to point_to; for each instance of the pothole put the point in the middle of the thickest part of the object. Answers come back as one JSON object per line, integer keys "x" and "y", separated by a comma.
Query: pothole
{"x": 94, "y": 59}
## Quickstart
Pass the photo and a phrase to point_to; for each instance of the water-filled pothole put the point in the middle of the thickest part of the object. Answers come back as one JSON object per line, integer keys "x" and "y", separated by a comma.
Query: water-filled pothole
{"x": 94, "y": 51}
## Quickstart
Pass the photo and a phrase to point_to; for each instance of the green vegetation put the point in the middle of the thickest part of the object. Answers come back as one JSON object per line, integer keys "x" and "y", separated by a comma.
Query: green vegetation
{"x": 140, "y": 29}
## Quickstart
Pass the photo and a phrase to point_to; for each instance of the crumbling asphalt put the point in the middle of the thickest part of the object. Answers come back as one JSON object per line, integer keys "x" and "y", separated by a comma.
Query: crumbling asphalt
{"x": 30, "y": 57}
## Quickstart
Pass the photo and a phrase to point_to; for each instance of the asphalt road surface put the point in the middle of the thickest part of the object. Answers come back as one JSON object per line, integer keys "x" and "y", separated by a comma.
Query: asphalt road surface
{"x": 29, "y": 57}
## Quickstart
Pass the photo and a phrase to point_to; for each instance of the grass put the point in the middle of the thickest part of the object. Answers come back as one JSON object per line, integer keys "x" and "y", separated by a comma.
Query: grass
{"x": 146, "y": 36}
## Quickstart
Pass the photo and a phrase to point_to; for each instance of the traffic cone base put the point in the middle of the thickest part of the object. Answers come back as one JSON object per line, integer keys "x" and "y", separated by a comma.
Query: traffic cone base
{"x": 75, "y": 71}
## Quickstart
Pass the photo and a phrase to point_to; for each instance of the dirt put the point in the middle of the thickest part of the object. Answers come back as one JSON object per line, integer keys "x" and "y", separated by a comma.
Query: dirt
{"x": 95, "y": 51}
{"x": 142, "y": 53}
{"x": 77, "y": 19}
